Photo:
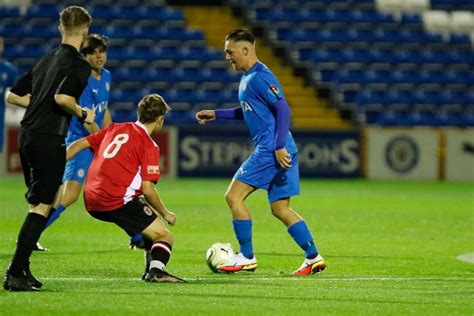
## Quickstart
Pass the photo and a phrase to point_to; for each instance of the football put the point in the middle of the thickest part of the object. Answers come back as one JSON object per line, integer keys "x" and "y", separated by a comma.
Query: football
{"x": 218, "y": 254}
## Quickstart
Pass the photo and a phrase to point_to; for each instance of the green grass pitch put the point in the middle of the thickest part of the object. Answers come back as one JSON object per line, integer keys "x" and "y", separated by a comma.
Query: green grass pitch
{"x": 391, "y": 248}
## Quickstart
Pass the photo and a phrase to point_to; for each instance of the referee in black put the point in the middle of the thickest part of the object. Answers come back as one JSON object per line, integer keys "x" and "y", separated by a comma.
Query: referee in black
{"x": 49, "y": 92}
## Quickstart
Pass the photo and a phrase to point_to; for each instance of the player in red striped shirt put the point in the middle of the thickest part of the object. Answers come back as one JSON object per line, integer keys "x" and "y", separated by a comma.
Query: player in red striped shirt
{"x": 125, "y": 166}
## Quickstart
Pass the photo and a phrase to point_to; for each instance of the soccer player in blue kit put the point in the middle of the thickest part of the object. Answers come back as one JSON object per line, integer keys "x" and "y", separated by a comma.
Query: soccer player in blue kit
{"x": 273, "y": 165}
{"x": 95, "y": 96}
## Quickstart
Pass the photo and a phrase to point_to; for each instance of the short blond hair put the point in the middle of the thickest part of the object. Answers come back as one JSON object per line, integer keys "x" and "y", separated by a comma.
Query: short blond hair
{"x": 151, "y": 107}
{"x": 74, "y": 17}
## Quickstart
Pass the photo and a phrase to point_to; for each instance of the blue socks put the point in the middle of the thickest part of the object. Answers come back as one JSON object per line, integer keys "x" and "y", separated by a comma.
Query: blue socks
{"x": 299, "y": 231}
{"x": 301, "y": 234}
{"x": 55, "y": 215}
{"x": 243, "y": 232}
{"x": 136, "y": 238}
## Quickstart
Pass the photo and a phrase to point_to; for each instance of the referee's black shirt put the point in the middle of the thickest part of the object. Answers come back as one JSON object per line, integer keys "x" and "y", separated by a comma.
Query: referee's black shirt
{"x": 62, "y": 71}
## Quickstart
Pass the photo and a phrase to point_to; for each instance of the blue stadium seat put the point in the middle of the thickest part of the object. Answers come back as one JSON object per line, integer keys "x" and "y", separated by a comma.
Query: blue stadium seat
{"x": 121, "y": 115}
{"x": 9, "y": 11}
{"x": 21, "y": 51}
{"x": 352, "y": 48}
{"x": 47, "y": 11}
{"x": 375, "y": 76}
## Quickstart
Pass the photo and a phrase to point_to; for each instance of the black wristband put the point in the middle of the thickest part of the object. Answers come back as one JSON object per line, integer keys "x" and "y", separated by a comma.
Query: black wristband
{"x": 82, "y": 118}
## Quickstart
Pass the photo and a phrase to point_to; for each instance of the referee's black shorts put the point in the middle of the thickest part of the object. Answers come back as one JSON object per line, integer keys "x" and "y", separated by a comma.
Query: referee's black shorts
{"x": 43, "y": 158}
{"x": 133, "y": 217}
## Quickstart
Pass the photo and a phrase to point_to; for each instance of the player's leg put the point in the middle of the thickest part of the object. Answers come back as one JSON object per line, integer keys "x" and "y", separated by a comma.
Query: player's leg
{"x": 160, "y": 244}
{"x": 136, "y": 217}
{"x": 147, "y": 244}
{"x": 43, "y": 159}
{"x": 242, "y": 224}
{"x": 296, "y": 226}
{"x": 74, "y": 176}
{"x": 137, "y": 241}
{"x": 235, "y": 197}
{"x": 19, "y": 276}
{"x": 284, "y": 185}
{"x": 241, "y": 219}
{"x": 254, "y": 173}
{"x": 301, "y": 234}
{"x": 68, "y": 194}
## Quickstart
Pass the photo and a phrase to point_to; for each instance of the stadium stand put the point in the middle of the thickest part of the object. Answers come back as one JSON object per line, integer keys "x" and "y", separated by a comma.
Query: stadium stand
{"x": 151, "y": 49}
{"x": 308, "y": 110}
{"x": 388, "y": 62}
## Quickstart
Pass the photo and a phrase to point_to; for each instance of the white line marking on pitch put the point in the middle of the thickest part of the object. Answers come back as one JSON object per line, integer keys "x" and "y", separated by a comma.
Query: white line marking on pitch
{"x": 467, "y": 257}
{"x": 231, "y": 278}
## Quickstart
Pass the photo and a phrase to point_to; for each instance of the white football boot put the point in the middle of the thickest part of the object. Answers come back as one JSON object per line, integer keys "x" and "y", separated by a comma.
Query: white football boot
{"x": 239, "y": 263}
{"x": 311, "y": 266}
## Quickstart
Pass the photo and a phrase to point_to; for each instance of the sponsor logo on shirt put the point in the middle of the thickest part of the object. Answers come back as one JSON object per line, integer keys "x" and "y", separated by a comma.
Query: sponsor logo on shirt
{"x": 246, "y": 106}
{"x": 100, "y": 107}
{"x": 153, "y": 169}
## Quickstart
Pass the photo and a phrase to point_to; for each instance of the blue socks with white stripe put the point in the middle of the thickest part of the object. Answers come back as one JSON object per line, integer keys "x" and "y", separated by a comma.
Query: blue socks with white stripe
{"x": 243, "y": 232}
{"x": 302, "y": 236}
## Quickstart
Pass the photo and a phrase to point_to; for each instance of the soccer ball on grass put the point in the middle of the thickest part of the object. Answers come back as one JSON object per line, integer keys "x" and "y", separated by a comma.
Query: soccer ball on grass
{"x": 218, "y": 254}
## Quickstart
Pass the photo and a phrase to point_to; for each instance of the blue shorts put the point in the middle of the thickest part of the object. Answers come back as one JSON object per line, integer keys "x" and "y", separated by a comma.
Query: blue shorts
{"x": 263, "y": 171}
{"x": 77, "y": 167}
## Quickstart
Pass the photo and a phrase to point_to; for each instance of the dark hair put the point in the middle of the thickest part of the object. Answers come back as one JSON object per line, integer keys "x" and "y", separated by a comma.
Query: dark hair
{"x": 241, "y": 35}
{"x": 74, "y": 16}
{"x": 151, "y": 107}
{"x": 94, "y": 41}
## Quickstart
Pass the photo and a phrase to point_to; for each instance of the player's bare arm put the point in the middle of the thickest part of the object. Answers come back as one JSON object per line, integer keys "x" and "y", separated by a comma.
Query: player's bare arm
{"x": 76, "y": 147}
{"x": 91, "y": 128}
{"x": 283, "y": 158}
{"x": 205, "y": 115}
{"x": 152, "y": 196}
{"x": 69, "y": 104}
{"x": 15, "y": 99}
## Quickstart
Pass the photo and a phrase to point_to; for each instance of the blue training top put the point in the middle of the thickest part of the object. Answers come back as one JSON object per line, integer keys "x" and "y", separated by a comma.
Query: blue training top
{"x": 95, "y": 96}
{"x": 259, "y": 90}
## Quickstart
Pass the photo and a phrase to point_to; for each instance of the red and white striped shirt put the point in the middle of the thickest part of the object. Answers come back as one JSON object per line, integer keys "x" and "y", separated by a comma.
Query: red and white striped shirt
{"x": 124, "y": 156}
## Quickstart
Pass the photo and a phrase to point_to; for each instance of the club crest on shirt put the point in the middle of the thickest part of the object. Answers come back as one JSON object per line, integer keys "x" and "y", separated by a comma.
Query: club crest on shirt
{"x": 153, "y": 169}
{"x": 147, "y": 210}
{"x": 274, "y": 89}
{"x": 81, "y": 173}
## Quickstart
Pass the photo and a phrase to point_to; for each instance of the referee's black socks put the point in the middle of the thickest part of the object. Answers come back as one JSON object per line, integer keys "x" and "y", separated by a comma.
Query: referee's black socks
{"x": 29, "y": 235}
